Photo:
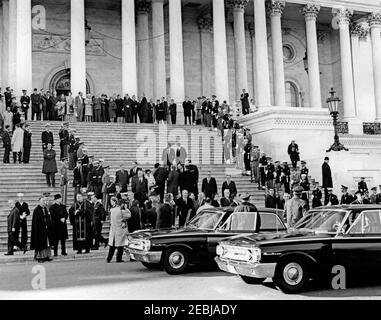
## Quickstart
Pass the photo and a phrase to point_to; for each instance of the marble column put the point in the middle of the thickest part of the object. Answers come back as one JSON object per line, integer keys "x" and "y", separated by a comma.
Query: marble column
{"x": 262, "y": 59}
{"x": 143, "y": 49}
{"x": 159, "y": 71}
{"x": 78, "y": 48}
{"x": 205, "y": 26}
{"x": 238, "y": 7}
{"x": 5, "y": 47}
{"x": 129, "y": 74}
{"x": 220, "y": 51}
{"x": 344, "y": 16}
{"x": 254, "y": 74}
{"x": 375, "y": 27}
{"x": 2, "y": 84}
{"x": 12, "y": 48}
{"x": 276, "y": 9}
{"x": 176, "y": 51}
{"x": 24, "y": 48}
{"x": 310, "y": 12}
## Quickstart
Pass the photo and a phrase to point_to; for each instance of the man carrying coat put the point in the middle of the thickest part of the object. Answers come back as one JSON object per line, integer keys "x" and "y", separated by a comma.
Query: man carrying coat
{"x": 59, "y": 216}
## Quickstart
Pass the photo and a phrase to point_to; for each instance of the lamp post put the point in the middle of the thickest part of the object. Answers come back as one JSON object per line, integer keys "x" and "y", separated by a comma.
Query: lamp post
{"x": 87, "y": 33}
{"x": 333, "y": 105}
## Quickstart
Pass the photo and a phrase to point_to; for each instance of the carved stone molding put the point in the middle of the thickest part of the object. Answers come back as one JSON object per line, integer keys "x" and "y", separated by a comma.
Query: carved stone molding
{"x": 238, "y": 4}
{"x": 375, "y": 19}
{"x": 276, "y": 7}
{"x": 360, "y": 30}
{"x": 205, "y": 23}
{"x": 344, "y": 15}
{"x": 143, "y": 7}
{"x": 302, "y": 122}
{"x": 310, "y": 11}
{"x": 60, "y": 44}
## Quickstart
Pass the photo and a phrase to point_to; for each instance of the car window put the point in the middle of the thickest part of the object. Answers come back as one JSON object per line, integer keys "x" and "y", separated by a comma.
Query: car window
{"x": 368, "y": 222}
{"x": 271, "y": 222}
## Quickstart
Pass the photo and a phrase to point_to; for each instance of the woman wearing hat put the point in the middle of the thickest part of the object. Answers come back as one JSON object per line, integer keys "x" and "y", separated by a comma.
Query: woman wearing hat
{"x": 118, "y": 229}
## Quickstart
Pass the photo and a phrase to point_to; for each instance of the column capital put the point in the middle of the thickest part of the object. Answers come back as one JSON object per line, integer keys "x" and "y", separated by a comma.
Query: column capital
{"x": 310, "y": 11}
{"x": 205, "y": 23}
{"x": 276, "y": 7}
{"x": 143, "y": 7}
{"x": 343, "y": 15}
{"x": 251, "y": 29}
{"x": 360, "y": 30}
{"x": 375, "y": 19}
{"x": 238, "y": 5}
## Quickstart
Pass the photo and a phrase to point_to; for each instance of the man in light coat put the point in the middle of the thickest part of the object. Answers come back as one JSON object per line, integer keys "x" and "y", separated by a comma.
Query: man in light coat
{"x": 17, "y": 143}
{"x": 295, "y": 208}
{"x": 79, "y": 106}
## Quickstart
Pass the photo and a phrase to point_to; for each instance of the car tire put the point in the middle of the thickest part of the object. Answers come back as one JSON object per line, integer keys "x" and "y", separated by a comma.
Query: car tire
{"x": 176, "y": 261}
{"x": 292, "y": 275}
{"x": 152, "y": 266}
{"x": 251, "y": 280}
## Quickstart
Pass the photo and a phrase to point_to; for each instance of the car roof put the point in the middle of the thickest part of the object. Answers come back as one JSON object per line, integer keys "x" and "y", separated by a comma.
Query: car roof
{"x": 350, "y": 207}
{"x": 231, "y": 210}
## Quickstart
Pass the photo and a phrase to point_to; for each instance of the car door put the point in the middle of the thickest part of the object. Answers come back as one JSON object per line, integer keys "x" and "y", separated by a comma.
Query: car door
{"x": 360, "y": 248}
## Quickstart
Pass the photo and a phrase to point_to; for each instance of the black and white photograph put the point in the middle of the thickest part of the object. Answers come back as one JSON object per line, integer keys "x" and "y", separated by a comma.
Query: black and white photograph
{"x": 183, "y": 151}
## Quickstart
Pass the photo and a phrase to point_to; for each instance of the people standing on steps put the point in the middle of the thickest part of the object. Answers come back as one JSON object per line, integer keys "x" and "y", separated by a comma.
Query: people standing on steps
{"x": 24, "y": 213}
{"x": 49, "y": 167}
{"x": 293, "y": 152}
{"x": 327, "y": 177}
{"x": 64, "y": 140}
{"x": 27, "y": 144}
{"x": 47, "y": 137}
{"x": 59, "y": 216}
{"x": 7, "y": 143}
{"x": 17, "y": 144}
{"x": 13, "y": 227}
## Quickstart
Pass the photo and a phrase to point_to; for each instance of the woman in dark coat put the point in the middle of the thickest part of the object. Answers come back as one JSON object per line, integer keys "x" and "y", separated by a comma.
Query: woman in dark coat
{"x": 49, "y": 167}
{"x": 27, "y": 144}
{"x": 42, "y": 234}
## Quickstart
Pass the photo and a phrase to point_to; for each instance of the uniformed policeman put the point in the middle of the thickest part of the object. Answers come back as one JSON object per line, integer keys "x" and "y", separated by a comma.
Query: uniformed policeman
{"x": 25, "y": 103}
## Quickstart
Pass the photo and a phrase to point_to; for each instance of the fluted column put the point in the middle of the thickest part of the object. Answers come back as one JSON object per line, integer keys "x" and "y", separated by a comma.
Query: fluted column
{"x": 238, "y": 7}
{"x": 276, "y": 9}
{"x": 254, "y": 74}
{"x": 176, "y": 51}
{"x": 220, "y": 51}
{"x": 262, "y": 59}
{"x": 344, "y": 15}
{"x": 205, "y": 26}
{"x": 143, "y": 49}
{"x": 159, "y": 75}
{"x": 12, "y": 48}
{"x": 24, "y": 47}
{"x": 78, "y": 47}
{"x": 310, "y": 12}
{"x": 129, "y": 68}
{"x": 5, "y": 46}
{"x": 375, "y": 27}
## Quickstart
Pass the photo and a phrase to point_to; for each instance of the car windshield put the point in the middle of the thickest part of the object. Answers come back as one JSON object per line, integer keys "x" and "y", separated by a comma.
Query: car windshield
{"x": 327, "y": 221}
{"x": 206, "y": 220}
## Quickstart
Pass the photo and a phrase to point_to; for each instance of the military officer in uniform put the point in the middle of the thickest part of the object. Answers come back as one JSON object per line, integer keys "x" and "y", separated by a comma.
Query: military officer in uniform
{"x": 25, "y": 103}
{"x": 346, "y": 197}
{"x": 331, "y": 200}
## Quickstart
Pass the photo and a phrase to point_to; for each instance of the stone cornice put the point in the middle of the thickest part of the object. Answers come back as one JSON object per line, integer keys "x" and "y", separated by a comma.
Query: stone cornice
{"x": 276, "y": 7}
{"x": 360, "y": 30}
{"x": 344, "y": 15}
{"x": 375, "y": 19}
{"x": 238, "y": 4}
{"x": 310, "y": 10}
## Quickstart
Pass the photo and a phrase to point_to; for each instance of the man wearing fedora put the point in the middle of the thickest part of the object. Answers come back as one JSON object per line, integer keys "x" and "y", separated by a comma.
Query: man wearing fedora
{"x": 47, "y": 137}
{"x": 59, "y": 216}
{"x": 295, "y": 208}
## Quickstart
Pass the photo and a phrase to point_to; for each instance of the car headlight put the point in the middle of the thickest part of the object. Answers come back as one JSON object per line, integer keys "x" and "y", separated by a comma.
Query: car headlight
{"x": 255, "y": 254}
{"x": 146, "y": 245}
{"x": 219, "y": 250}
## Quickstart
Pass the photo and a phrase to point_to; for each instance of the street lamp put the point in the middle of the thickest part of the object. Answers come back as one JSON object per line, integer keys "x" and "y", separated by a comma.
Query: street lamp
{"x": 87, "y": 33}
{"x": 305, "y": 61}
{"x": 333, "y": 105}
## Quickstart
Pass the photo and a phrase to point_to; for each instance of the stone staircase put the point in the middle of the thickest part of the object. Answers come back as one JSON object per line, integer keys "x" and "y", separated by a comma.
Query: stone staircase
{"x": 116, "y": 143}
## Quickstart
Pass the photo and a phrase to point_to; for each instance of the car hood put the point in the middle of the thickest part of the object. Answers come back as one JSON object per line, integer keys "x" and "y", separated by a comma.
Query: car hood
{"x": 151, "y": 234}
{"x": 249, "y": 240}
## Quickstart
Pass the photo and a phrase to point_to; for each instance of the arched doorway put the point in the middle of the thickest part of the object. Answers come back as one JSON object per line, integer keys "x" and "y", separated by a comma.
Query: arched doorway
{"x": 60, "y": 82}
{"x": 292, "y": 95}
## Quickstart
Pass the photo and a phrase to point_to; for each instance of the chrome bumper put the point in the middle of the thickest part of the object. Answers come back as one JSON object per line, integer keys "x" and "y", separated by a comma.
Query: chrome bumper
{"x": 145, "y": 256}
{"x": 259, "y": 270}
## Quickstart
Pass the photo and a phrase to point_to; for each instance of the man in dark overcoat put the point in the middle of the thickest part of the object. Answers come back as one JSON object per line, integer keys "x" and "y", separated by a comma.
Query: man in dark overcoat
{"x": 24, "y": 212}
{"x": 47, "y": 137}
{"x": 327, "y": 176}
{"x": 209, "y": 186}
{"x": 293, "y": 152}
{"x": 59, "y": 216}
{"x": 13, "y": 221}
{"x": 98, "y": 218}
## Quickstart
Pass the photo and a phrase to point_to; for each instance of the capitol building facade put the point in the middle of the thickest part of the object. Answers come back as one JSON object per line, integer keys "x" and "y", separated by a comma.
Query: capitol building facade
{"x": 286, "y": 54}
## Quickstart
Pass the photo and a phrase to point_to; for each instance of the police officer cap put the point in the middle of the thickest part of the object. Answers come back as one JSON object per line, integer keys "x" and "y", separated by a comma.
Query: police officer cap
{"x": 330, "y": 189}
{"x": 20, "y": 194}
{"x": 374, "y": 189}
{"x": 57, "y": 196}
{"x": 124, "y": 194}
{"x": 344, "y": 187}
{"x": 303, "y": 162}
{"x": 154, "y": 194}
{"x": 66, "y": 123}
{"x": 47, "y": 125}
{"x": 23, "y": 90}
{"x": 64, "y": 159}
{"x": 90, "y": 194}
{"x": 46, "y": 194}
{"x": 326, "y": 158}
{"x": 245, "y": 197}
